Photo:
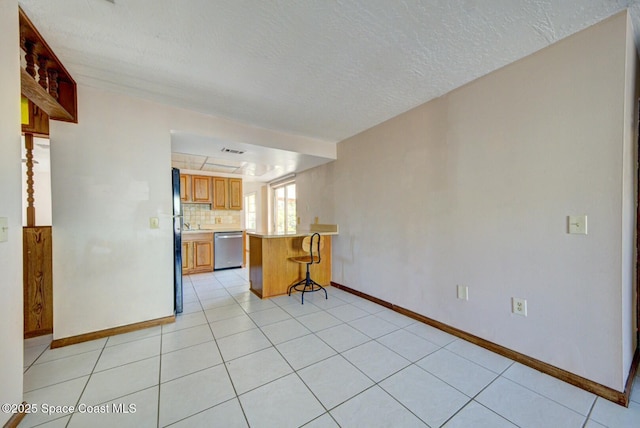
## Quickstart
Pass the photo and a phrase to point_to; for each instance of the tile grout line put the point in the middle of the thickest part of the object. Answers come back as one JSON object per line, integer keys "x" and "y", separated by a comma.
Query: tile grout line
{"x": 338, "y": 353}
{"x": 224, "y": 363}
{"x": 176, "y": 350}
{"x": 539, "y": 393}
{"x": 473, "y": 399}
{"x": 35, "y": 359}
{"x": 88, "y": 380}
{"x": 160, "y": 377}
{"x": 294, "y": 371}
{"x": 593, "y": 405}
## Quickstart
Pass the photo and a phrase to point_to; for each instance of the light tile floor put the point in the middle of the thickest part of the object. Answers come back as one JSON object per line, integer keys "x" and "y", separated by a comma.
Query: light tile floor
{"x": 232, "y": 359}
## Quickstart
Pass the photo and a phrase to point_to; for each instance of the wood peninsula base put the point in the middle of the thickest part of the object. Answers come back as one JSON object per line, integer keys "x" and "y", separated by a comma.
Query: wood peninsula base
{"x": 270, "y": 270}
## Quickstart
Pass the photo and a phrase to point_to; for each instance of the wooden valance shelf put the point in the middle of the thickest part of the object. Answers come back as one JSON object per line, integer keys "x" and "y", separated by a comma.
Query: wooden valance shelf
{"x": 45, "y": 81}
{"x": 40, "y": 97}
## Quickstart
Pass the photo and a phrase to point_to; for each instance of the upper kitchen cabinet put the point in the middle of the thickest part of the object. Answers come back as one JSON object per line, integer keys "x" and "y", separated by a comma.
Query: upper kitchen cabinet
{"x": 195, "y": 188}
{"x": 235, "y": 193}
{"x": 221, "y": 195}
{"x": 185, "y": 188}
{"x": 227, "y": 193}
{"x": 201, "y": 189}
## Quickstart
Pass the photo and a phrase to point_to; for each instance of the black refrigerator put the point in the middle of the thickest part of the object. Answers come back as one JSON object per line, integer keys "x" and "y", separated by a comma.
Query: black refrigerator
{"x": 177, "y": 241}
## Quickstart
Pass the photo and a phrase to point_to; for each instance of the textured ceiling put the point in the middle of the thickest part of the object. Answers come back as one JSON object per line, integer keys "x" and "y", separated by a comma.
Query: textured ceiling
{"x": 326, "y": 68}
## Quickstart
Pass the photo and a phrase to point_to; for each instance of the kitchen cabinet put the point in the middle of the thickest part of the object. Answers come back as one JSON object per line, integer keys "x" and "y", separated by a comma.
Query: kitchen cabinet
{"x": 197, "y": 252}
{"x": 195, "y": 188}
{"x": 201, "y": 189}
{"x": 222, "y": 193}
{"x": 220, "y": 196}
{"x": 185, "y": 188}
{"x": 227, "y": 193}
{"x": 235, "y": 193}
{"x": 187, "y": 256}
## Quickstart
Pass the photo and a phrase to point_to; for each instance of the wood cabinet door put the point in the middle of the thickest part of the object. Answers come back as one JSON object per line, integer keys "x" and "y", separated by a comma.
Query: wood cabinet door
{"x": 187, "y": 257}
{"x": 185, "y": 188}
{"x": 235, "y": 193}
{"x": 201, "y": 188}
{"x": 202, "y": 256}
{"x": 38, "y": 281}
{"x": 220, "y": 197}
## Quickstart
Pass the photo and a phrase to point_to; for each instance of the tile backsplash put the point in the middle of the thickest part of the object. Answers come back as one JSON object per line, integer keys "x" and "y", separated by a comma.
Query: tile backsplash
{"x": 201, "y": 216}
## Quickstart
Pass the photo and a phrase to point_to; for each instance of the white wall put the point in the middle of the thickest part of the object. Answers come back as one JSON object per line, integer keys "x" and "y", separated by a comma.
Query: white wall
{"x": 11, "y": 320}
{"x": 110, "y": 173}
{"x": 475, "y": 188}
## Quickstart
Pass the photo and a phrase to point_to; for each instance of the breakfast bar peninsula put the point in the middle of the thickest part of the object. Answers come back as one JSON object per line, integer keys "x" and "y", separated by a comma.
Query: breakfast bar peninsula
{"x": 270, "y": 270}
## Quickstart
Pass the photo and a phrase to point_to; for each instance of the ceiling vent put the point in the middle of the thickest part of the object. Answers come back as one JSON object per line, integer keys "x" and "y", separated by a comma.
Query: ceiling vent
{"x": 232, "y": 151}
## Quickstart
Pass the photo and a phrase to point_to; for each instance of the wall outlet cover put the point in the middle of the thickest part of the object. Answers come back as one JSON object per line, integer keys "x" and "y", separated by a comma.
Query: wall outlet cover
{"x": 519, "y": 306}
{"x": 154, "y": 222}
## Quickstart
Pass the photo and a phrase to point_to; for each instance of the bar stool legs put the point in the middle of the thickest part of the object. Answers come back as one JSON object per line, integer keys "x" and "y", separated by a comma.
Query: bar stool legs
{"x": 307, "y": 285}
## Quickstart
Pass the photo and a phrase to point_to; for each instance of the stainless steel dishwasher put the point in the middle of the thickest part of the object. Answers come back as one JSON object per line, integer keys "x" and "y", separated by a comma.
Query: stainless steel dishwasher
{"x": 228, "y": 250}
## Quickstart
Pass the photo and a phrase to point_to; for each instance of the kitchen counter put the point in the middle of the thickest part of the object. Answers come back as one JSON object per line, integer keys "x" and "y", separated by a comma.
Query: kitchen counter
{"x": 226, "y": 229}
{"x": 322, "y": 229}
{"x": 295, "y": 234}
{"x": 192, "y": 231}
{"x": 270, "y": 270}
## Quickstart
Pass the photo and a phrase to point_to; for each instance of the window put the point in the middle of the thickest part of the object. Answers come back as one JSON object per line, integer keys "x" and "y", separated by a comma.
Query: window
{"x": 250, "y": 211}
{"x": 284, "y": 207}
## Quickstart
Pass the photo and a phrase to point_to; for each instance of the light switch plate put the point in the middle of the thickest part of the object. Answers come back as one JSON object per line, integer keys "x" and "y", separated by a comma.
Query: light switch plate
{"x": 578, "y": 224}
{"x": 154, "y": 223}
{"x": 463, "y": 292}
{"x": 4, "y": 229}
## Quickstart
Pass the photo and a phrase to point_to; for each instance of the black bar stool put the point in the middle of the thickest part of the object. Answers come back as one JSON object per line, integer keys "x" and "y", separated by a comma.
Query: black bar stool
{"x": 308, "y": 285}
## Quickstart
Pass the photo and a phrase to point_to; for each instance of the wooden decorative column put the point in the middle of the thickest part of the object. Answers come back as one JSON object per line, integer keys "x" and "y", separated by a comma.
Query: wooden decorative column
{"x": 37, "y": 261}
{"x": 31, "y": 209}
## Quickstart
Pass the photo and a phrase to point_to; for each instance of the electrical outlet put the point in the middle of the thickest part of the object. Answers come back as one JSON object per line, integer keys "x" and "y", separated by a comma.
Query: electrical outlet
{"x": 218, "y": 220}
{"x": 519, "y": 306}
{"x": 463, "y": 292}
{"x": 154, "y": 223}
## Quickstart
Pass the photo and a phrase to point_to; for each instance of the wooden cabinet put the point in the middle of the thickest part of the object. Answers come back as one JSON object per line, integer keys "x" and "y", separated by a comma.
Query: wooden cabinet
{"x": 38, "y": 281}
{"x": 185, "y": 188}
{"x": 203, "y": 256}
{"x": 270, "y": 270}
{"x": 187, "y": 256}
{"x": 227, "y": 193}
{"x": 222, "y": 193}
{"x": 201, "y": 189}
{"x": 197, "y": 252}
{"x": 195, "y": 188}
{"x": 220, "y": 196}
{"x": 235, "y": 193}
